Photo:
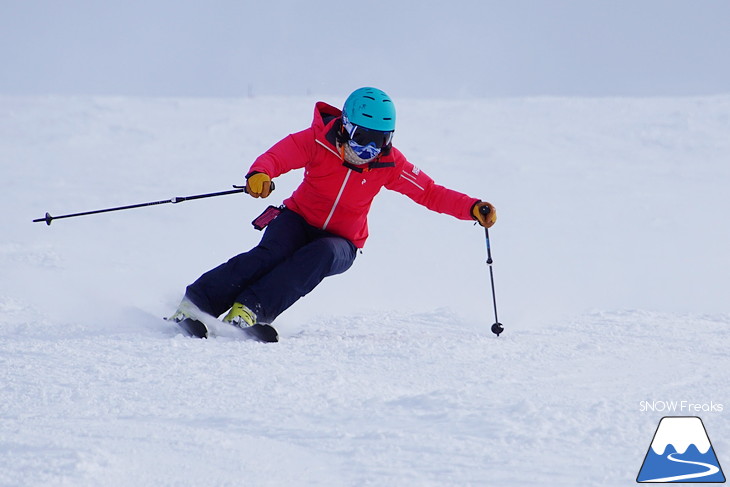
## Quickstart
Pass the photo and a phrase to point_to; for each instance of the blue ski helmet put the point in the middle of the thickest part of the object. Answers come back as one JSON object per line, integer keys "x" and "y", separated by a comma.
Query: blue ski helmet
{"x": 370, "y": 108}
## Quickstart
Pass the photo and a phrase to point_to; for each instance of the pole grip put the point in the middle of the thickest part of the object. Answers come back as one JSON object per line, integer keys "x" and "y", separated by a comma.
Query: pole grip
{"x": 245, "y": 190}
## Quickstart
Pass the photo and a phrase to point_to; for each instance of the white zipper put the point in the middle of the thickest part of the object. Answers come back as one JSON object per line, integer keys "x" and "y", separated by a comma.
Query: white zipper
{"x": 337, "y": 200}
{"x": 342, "y": 188}
{"x": 328, "y": 148}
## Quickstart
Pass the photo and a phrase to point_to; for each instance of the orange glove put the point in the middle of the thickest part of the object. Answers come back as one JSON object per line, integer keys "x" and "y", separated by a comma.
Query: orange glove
{"x": 259, "y": 185}
{"x": 484, "y": 213}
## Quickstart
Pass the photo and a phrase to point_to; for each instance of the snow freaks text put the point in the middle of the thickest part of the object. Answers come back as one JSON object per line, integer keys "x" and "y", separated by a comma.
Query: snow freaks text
{"x": 683, "y": 407}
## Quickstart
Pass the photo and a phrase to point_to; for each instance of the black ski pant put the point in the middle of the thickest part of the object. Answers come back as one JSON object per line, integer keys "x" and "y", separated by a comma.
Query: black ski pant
{"x": 292, "y": 259}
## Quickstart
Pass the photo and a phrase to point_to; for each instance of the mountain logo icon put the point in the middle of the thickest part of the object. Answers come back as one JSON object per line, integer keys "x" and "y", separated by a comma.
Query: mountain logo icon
{"x": 680, "y": 452}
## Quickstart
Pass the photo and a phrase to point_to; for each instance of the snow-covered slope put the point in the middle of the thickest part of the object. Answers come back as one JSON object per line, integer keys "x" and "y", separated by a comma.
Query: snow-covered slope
{"x": 611, "y": 268}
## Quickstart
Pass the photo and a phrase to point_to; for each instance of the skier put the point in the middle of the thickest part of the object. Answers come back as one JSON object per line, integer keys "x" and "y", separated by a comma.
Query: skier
{"x": 347, "y": 158}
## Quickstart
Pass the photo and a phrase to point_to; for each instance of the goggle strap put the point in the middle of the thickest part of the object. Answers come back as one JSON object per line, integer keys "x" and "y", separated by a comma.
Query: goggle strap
{"x": 342, "y": 150}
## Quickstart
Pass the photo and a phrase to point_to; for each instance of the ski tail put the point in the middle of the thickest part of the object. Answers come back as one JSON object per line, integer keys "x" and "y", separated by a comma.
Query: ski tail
{"x": 262, "y": 333}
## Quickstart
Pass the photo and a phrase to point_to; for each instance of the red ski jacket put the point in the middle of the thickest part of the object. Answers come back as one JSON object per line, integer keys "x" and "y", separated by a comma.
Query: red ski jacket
{"x": 335, "y": 195}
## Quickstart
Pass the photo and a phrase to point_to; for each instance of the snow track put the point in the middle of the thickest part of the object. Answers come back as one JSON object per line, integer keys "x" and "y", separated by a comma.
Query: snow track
{"x": 376, "y": 400}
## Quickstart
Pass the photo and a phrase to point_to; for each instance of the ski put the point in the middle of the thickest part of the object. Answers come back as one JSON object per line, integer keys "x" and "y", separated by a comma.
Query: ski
{"x": 262, "y": 333}
{"x": 197, "y": 329}
{"x": 193, "y": 328}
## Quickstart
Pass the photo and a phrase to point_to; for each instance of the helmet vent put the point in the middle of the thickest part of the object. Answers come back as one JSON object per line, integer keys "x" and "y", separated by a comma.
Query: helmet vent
{"x": 372, "y": 108}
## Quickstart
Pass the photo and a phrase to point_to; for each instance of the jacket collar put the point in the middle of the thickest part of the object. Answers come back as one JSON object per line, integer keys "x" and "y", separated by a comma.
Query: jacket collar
{"x": 332, "y": 136}
{"x": 327, "y": 125}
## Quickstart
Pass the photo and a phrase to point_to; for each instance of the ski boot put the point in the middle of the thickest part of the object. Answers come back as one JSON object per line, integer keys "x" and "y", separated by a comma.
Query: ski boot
{"x": 240, "y": 316}
{"x": 244, "y": 318}
{"x": 183, "y": 316}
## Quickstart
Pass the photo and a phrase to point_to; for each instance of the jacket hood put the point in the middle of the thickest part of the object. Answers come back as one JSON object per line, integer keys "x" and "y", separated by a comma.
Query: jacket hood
{"x": 324, "y": 114}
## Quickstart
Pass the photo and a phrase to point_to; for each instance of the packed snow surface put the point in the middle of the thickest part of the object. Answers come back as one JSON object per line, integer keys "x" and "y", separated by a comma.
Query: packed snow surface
{"x": 611, "y": 267}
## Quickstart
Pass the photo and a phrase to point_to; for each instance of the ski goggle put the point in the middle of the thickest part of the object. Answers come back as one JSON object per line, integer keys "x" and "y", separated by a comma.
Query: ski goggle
{"x": 364, "y": 152}
{"x": 364, "y": 141}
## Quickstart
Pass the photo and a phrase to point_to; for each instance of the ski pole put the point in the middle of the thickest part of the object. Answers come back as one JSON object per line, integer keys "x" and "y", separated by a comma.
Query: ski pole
{"x": 176, "y": 199}
{"x": 497, "y": 327}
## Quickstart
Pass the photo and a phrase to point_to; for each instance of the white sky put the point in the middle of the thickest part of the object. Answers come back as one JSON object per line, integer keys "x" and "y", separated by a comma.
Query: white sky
{"x": 409, "y": 48}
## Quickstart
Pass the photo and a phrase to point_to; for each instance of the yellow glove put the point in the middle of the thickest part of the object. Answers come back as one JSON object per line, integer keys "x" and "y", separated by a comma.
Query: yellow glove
{"x": 484, "y": 213}
{"x": 259, "y": 185}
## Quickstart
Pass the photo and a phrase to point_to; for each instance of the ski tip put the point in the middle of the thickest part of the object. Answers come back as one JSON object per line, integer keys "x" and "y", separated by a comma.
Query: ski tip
{"x": 193, "y": 328}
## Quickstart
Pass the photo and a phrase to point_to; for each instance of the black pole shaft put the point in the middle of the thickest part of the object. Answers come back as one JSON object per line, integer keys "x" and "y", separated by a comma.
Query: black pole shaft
{"x": 177, "y": 199}
{"x": 491, "y": 273}
{"x": 497, "y": 327}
